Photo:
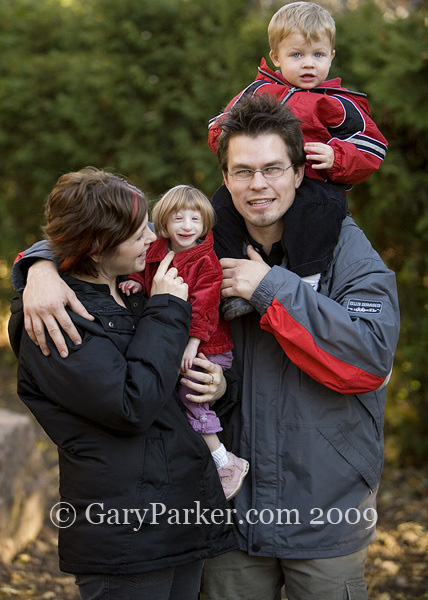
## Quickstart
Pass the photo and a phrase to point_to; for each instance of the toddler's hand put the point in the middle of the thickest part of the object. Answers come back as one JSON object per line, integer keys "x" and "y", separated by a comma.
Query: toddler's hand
{"x": 321, "y": 154}
{"x": 189, "y": 354}
{"x": 130, "y": 287}
{"x": 186, "y": 364}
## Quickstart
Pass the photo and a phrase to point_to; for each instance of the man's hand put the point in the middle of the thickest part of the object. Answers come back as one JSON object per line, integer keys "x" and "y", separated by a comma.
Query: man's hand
{"x": 321, "y": 155}
{"x": 44, "y": 298}
{"x": 240, "y": 276}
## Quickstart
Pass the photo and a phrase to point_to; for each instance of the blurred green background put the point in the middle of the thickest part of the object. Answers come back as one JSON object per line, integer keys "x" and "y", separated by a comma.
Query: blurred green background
{"x": 131, "y": 85}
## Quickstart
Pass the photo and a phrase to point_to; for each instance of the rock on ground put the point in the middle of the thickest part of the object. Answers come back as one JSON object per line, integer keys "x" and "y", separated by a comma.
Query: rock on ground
{"x": 22, "y": 498}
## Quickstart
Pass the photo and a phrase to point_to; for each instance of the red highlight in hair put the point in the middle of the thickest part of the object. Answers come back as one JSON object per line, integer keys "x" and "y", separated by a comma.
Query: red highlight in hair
{"x": 84, "y": 248}
{"x": 136, "y": 202}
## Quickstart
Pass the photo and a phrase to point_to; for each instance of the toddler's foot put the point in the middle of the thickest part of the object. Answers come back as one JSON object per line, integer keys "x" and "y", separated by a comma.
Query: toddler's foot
{"x": 233, "y": 474}
{"x": 235, "y": 307}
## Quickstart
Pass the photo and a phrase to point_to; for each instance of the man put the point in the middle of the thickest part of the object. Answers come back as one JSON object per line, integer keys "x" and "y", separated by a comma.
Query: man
{"x": 313, "y": 365}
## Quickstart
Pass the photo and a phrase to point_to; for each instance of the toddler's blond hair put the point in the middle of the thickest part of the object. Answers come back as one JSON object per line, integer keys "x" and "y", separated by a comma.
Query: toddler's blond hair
{"x": 307, "y": 18}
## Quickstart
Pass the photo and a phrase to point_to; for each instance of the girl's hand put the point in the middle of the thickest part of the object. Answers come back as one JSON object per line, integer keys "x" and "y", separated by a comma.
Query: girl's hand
{"x": 189, "y": 353}
{"x": 130, "y": 287}
{"x": 209, "y": 383}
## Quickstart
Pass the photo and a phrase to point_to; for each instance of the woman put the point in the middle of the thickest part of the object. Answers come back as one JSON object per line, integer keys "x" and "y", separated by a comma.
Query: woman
{"x": 134, "y": 477}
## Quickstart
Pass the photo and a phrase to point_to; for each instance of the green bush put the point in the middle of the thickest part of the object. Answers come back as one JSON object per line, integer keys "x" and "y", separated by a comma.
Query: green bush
{"x": 130, "y": 85}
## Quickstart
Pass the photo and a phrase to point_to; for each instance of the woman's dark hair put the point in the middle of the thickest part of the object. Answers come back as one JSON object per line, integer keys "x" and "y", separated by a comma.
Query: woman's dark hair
{"x": 89, "y": 213}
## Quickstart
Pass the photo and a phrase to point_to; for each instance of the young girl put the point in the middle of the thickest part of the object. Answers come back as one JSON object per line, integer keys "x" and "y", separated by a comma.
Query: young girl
{"x": 183, "y": 219}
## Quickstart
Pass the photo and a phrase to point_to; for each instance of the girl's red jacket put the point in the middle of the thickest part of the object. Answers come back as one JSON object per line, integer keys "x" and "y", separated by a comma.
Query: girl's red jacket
{"x": 201, "y": 270}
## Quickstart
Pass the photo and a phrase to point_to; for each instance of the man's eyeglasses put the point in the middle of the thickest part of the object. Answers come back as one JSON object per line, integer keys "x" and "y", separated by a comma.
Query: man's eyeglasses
{"x": 267, "y": 172}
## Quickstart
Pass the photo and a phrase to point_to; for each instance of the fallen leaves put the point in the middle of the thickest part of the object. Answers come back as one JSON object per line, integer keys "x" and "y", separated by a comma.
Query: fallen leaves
{"x": 397, "y": 566}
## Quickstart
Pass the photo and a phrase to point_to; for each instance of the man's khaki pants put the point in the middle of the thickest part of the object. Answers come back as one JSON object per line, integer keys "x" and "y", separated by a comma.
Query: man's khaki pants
{"x": 238, "y": 576}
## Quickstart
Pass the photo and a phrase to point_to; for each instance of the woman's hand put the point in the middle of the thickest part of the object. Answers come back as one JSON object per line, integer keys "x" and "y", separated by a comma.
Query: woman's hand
{"x": 166, "y": 281}
{"x": 210, "y": 383}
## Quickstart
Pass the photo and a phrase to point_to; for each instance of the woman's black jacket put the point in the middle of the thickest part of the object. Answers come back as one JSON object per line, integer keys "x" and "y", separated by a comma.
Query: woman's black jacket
{"x": 140, "y": 483}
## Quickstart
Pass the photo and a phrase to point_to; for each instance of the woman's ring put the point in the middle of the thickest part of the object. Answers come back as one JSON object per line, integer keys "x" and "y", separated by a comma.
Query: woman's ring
{"x": 212, "y": 379}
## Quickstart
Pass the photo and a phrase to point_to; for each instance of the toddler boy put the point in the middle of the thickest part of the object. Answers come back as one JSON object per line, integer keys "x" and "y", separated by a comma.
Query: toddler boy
{"x": 342, "y": 143}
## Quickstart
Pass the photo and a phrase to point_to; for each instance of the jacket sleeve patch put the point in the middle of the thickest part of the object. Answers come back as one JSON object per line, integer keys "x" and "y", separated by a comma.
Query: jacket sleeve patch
{"x": 364, "y": 306}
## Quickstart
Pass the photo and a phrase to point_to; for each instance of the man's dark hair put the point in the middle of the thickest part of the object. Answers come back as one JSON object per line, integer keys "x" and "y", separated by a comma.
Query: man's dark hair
{"x": 261, "y": 115}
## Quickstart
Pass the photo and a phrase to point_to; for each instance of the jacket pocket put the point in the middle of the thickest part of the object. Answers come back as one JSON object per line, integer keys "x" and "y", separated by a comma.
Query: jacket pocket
{"x": 343, "y": 446}
{"x": 156, "y": 475}
{"x": 374, "y": 404}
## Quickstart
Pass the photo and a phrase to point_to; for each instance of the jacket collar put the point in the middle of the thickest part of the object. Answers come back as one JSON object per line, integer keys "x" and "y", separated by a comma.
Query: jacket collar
{"x": 97, "y": 297}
